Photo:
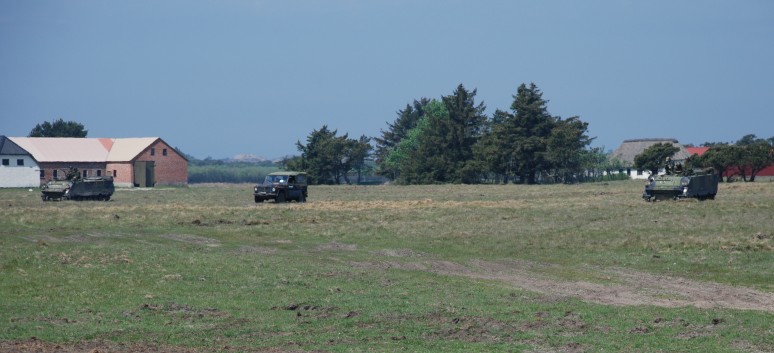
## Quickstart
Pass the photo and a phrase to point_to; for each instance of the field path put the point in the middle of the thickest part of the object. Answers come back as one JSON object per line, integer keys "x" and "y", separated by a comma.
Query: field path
{"x": 622, "y": 288}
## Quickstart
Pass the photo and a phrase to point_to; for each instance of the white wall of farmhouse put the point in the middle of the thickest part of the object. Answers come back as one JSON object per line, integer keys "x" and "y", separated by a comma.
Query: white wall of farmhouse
{"x": 14, "y": 175}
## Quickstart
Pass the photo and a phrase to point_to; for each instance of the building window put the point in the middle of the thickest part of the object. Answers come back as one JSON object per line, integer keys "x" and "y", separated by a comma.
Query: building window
{"x": 20, "y": 162}
{"x": 85, "y": 173}
{"x": 639, "y": 171}
{"x": 56, "y": 175}
{"x": 99, "y": 172}
{"x": 42, "y": 173}
{"x": 6, "y": 161}
{"x": 153, "y": 151}
{"x": 115, "y": 173}
{"x": 164, "y": 152}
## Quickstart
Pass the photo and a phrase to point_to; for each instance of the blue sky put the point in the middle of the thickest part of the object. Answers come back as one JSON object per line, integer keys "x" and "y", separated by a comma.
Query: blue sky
{"x": 220, "y": 78}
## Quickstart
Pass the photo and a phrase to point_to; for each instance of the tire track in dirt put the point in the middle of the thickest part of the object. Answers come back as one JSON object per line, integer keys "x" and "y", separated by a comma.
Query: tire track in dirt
{"x": 627, "y": 288}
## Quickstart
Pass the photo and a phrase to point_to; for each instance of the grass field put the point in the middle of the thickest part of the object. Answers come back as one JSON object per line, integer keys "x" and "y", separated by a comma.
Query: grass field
{"x": 445, "y": 268}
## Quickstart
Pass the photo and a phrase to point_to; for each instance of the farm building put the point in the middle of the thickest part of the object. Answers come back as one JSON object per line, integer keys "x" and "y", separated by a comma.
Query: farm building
{"x": 18, "y": 169}
{"x": 139, "y": 162}
{"x": 629, "y": 149}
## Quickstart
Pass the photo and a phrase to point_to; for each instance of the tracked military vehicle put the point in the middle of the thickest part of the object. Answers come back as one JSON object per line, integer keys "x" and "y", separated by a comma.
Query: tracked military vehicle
{"x": 77, "y": 188}
{"x": 282, "y": 187}
{"x": 681, "y": 184}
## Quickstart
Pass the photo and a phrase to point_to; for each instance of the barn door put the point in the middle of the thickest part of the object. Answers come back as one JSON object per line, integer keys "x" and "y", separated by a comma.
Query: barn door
{"x": 144, "y": 174}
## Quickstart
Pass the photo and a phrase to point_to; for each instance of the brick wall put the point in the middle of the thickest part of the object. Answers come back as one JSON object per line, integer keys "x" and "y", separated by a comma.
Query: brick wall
{"x": 170, "y": 167}
{"x": 92, "y": 169}
{"x": 122, "y": 173}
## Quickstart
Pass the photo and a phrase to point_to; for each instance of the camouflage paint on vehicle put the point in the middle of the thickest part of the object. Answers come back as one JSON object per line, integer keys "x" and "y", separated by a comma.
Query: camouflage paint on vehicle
{"x": 697, "y": 184}
{"x": 77, "y": 188}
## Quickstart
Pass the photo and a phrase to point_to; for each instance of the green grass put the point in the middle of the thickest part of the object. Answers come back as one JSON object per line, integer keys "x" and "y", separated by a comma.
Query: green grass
{"x": 382, "y": 268}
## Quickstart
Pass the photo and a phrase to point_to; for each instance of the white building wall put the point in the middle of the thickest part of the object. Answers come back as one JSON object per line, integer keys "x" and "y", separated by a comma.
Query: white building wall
{"x": 14, "y": 176}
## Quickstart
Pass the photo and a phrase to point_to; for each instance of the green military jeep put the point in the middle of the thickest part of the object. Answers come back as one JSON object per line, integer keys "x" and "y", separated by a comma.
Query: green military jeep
{"x": 282, "y": 187}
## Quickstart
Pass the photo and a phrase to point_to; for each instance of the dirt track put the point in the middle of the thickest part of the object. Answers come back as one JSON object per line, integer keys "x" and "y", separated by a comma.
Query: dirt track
{"x": 626, "y": 287}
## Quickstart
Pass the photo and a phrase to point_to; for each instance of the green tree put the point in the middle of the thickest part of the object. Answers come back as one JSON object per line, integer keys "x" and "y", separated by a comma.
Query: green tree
{"x": 654, "y": 157}
{"x": 720, "y": 157}
{"x": 493, "y": 151}
{"x": 419, "y": 157}
{"x": 565, "y": 148}
{"x": 755, "y": 155}
{"x": 58, "y": 128}
{"x": 527, "y": 131}
{"x": 463, "y": 130}
{"x": 407, "y": 120}
{"x": 328, "y": 158}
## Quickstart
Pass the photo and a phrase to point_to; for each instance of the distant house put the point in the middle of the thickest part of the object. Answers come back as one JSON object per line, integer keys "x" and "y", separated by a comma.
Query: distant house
{"x": 18, "y": 169}
{"x": 629, "y": 149}
{"x": 139, "y": 162}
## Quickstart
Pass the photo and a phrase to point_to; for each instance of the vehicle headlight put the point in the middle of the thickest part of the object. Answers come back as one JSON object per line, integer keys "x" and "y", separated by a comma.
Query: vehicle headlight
{"x": 684, "y": 181}
{"x": 685, "y": 191}
{"x": 273, "y": 189}
{"x": 255, "y": 189}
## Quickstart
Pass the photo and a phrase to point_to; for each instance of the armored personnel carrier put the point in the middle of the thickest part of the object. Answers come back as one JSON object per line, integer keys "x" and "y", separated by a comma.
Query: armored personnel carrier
{"x": 696, "y": 183}
{"x": 77, "y": 188}
{"x": 282, "y": 187}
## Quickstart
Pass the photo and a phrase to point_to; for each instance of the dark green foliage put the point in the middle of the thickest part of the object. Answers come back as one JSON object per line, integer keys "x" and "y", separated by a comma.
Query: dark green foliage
{"x": 407, "y": 120}
{"x": 529, "y": 141}
{"x": 59, "y": 128}
{"x": 328, "y": 158}
{"x": 567, "y": 148}
{"x": 452, "y": 141}
{"x": 746, "y": 158}
{"x": 440, "y": 147}
{"x": 654, "y": 157}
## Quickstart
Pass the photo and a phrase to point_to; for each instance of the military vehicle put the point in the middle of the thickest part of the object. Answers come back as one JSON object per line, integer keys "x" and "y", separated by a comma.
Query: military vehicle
{"x": 73, "y": 187}
{"x": 282, "y": 187}
{"x": 680, "y": 184}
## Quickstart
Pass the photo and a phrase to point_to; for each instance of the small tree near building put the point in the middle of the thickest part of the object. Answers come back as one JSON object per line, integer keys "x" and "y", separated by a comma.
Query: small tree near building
{"x": 653, "y": 157}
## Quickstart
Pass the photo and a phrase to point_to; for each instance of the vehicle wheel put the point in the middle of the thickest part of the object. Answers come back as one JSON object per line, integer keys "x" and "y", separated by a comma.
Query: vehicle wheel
{"x": 301, "y": 198}
{"x": 107, "y": 197}
{"x": 258, "y": 199}
{"x": 711, "y": 196}
{"x": 280, "y": 197}
{"x": 44, "y": 197}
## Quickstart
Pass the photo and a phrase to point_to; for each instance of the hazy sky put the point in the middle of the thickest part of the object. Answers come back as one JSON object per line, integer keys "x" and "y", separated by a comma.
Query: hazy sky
{"x": 220, "y": 78}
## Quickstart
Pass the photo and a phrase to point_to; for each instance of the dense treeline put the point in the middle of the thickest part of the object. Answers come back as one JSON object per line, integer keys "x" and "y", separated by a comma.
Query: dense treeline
{"x": 451, "y": 141}
{"x": 330, "y": 159}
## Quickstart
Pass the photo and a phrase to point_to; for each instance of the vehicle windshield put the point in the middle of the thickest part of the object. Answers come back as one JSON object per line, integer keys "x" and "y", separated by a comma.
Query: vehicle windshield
{"x": 271, "y": 179}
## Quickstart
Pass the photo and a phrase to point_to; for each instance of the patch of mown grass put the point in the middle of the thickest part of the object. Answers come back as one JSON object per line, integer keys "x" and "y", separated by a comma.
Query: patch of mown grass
{"x": 207, "y": 267}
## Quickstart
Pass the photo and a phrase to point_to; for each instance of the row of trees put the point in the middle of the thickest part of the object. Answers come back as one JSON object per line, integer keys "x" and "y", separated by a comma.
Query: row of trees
{"x": 451, "y": 140}
{"x": 745, "y": 158}
{"x": 329, "y": 158}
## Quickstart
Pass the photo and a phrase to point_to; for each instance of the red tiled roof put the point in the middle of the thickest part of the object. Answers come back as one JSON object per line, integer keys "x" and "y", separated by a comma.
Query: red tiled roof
{"x": 697, "y": 150}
